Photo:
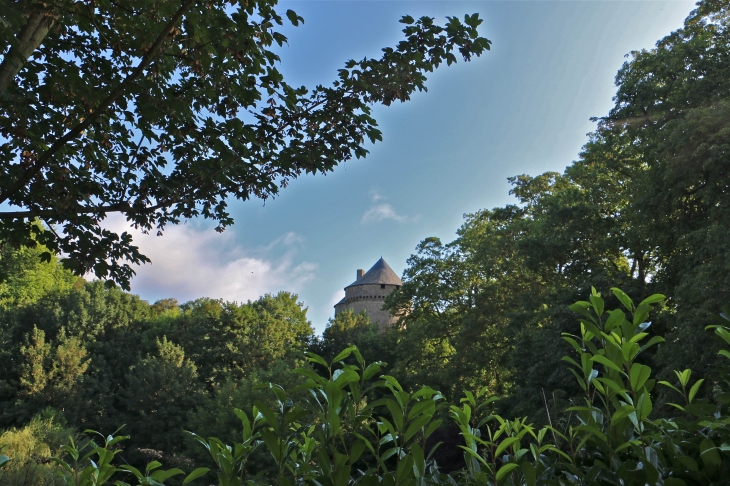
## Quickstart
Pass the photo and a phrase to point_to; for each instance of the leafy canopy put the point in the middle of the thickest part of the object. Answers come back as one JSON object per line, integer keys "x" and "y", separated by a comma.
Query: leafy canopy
{"x": 163, "y": 110}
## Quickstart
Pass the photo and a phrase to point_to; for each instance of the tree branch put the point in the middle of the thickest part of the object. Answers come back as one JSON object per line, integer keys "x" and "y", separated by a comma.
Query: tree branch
{"x": 31, "y": 172}
{"x": 51, "y": 213}
{"x": 29, "y": 38}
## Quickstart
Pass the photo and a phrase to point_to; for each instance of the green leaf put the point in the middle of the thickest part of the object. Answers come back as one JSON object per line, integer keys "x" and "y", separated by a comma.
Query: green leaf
{"x": 405, "y": 467}
{"x": 683, "y": 376}
{"x": 417, "y": 425}
{"x": 641, "y": 313}
{"x": 293, "y": 17}
{"x": 572, "y": 342}
{"x": 371, "y": 370}
{"x": 638, "y": 376}
{"x": 625, "y": 300}
{"x": 591, "y": 328}
{"x": 580, "y": 379}
{"x": 505, "y": 444}
{"x": 579, "y": 308}
{"x": 571, "y": 361}
{"x": 644, "y": 406}
{"x": 432, "y": 428}
{"x": 689, "y": 463}
{"x": 621, "y": 412}
{"x": 476, "y": 456}
{"x": 396, "y": 413}
{"x": 195, "y": 474}
{"x": 666, "y": 383}
{"x": 615, "y": 318}
{"x": 421, "y": 407}
{"x": 629, "y": 350}
{"x": 609, "y": 383}
{"x": 133, "y": 470}
{"x": 315, "y": 358}
{"x": 346, "y": 377}
{"x": 268, "y": 414}
{"x": 695, "y": 388}
{"x": 271, "y": 443}
{"x": 358, "y": 447}
{"x": 343, "y": 354}
{"x": 506, "y": 469}
{"x": 723, "y": 332}
{"x": 310, "y": 374}
{"x": 597, "y": 304}
{"x": 528, "y": 471}
{"x": 392, "y": 382}
{"x": 709, "y": 454}
{"x": 628, "y": 444}
{"x": 388, "y": 454}
{"x": 277, "y": 389}
{"x": 419, "y": 461}
{"x": 606, "y": 362}
{"x": 117, "y": 439}
{"x": 652, "y": 299}
{"x": 654, "y": 340}
{"x": 163, "y": 476}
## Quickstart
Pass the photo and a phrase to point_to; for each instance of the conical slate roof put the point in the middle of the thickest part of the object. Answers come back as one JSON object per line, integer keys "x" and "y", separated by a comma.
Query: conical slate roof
{"x": 380, "y": 273}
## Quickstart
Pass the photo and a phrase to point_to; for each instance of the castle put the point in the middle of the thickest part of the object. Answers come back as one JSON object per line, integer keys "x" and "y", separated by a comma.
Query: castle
{"x": 368, "y": 292}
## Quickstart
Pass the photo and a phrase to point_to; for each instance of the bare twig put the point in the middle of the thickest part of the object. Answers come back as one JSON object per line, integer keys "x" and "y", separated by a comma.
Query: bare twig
{"x": 550, "y": 421}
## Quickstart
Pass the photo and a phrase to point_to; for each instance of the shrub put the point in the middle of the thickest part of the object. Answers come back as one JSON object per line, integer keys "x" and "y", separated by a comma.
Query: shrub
{"x": 29, "y": 449}
{"x": 357, "y": 427}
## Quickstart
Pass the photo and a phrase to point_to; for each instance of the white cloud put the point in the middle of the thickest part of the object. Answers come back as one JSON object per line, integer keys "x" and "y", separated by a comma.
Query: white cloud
{"x": 381, "y": 212}
{"x": 188, "y": 263}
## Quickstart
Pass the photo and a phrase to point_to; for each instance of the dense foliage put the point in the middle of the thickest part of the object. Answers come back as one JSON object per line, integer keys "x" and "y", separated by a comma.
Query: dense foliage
{"x": 338, "y": 432}
{"x": 645, "y": 208}
{"x": 607, "y": 390}
{"x": 101, "y": 356}
{"x": 164, "y": 110}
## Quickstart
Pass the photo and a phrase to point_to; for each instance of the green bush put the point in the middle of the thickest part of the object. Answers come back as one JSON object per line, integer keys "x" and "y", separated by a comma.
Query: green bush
{"x": 355, "y": 426}
{"x": 28, "y": 451}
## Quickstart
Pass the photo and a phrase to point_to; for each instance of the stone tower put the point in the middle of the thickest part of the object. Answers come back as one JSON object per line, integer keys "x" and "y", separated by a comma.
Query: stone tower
{"x": 368, "y": 292}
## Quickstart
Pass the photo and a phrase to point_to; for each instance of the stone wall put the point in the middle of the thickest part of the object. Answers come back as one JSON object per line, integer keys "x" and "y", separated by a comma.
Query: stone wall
{"x": 369, "y": 298}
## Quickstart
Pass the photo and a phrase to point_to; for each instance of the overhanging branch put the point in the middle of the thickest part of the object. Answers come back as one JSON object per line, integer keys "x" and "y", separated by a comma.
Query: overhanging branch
{"x": 31, "y": 172}
{"x": 29, "y": 38}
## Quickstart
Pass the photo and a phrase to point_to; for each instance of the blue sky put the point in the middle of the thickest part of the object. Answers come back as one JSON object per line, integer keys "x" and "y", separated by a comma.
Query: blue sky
{"x": 523, "y": 107}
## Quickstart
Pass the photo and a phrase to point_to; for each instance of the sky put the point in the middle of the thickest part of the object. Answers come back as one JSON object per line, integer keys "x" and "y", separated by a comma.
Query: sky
{"x": 522, "y": 108}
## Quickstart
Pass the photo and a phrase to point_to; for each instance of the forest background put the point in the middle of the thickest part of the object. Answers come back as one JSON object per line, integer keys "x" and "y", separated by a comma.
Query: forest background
{"x": 644, "y": 208}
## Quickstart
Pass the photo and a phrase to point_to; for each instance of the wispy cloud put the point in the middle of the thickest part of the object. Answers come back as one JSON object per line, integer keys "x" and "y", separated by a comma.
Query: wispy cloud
{"x": 188, "y": 263}
{"x": 381, "y": 212}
